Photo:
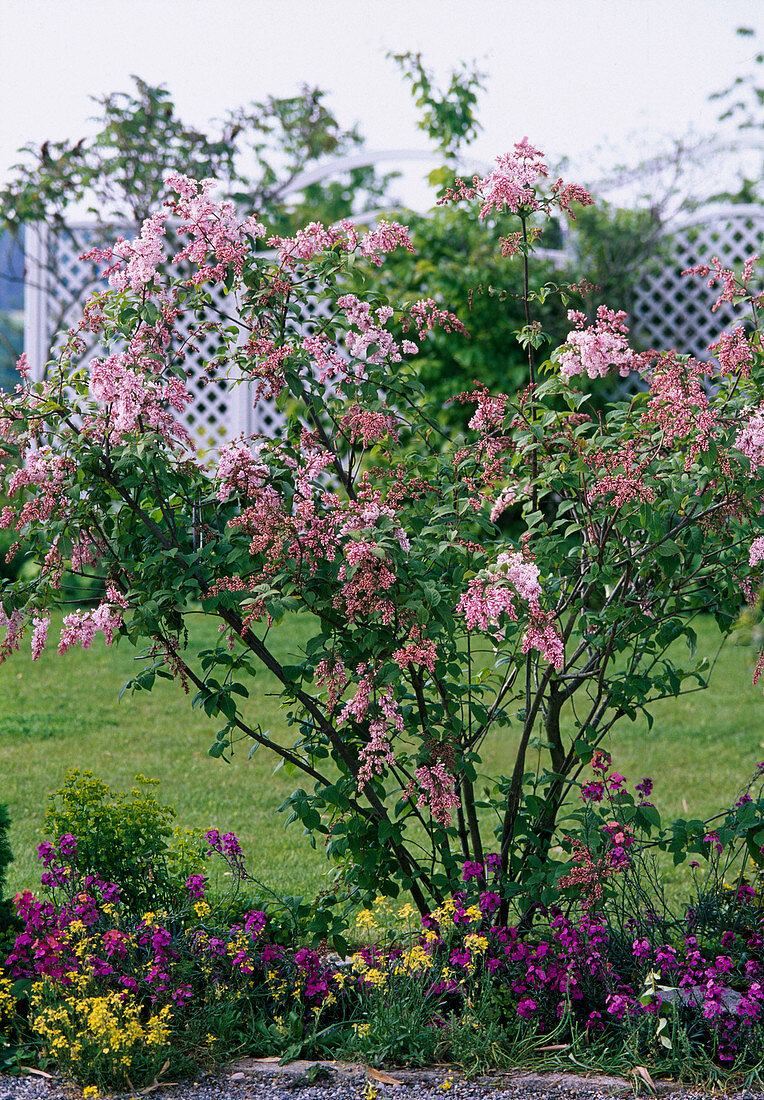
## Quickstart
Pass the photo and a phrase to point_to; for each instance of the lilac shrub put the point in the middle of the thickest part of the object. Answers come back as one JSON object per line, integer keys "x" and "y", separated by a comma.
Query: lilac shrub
{"x": 431, "y": 632}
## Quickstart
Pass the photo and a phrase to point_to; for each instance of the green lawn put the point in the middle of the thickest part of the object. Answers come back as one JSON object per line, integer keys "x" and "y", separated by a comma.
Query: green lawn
{"x": 64, "y": 712}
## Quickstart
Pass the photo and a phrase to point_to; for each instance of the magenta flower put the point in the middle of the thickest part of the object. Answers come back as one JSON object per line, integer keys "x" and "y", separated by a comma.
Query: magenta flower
{"x": 195, "y": 886}
{"x": 67, "y": 846}
{"x": 471, "y": 870}
{"x": 593, "y": 792}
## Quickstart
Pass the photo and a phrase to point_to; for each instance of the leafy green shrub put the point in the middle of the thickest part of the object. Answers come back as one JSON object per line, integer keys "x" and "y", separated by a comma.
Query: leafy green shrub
{"x": 9, "y": 925}
{"x": 125, "y": 837}
{"x": 6, "y": 855}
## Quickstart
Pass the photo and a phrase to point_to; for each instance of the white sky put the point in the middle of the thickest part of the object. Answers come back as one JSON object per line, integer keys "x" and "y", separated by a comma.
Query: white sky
{"x": 571, "y": 74}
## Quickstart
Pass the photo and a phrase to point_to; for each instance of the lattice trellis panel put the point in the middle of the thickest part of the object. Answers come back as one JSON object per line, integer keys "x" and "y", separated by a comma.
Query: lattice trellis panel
{"x": 670, "y": 311}
{"x": 674, "y": 311}
{"x": 57, "y": 283}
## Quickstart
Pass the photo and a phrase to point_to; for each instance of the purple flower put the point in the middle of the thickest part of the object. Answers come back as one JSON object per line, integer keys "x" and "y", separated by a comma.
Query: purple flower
{"x": 472, "y": 870}
{"x": 212, "y": 836}
{"x": 526, "y": 1007}
{"x": 46, "y": 852}
{"x": 593, "y": 792}
{"x": 620, "y": 1005}
{"x": 489, "y": 901}
{"x": 67, "y": 846}
{"x": 254, "y": 922}
{"x": 713, "y": 838}
{"x": 232, "y": 851}
{"x": 195, "y": 886}
{"x": 640, "y": 949}
{"x": 56, "y": 876}
{"x": 645, "y": 787}
{"x": 110, "y": 892}
{"x": 460, "y": 958}
{"x": 231, "y": 845}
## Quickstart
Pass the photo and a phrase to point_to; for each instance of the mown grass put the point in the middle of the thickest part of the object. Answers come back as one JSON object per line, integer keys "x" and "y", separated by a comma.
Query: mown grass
{"x": 64, "y": 712}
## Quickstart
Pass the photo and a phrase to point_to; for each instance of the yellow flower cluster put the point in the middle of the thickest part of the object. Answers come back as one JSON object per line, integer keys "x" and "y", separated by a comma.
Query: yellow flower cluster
{"x": 378, "y": 918}
{"x": 372, "y": 975}
{"x": 101, "y": 1033}
{"x": 277, "y": 986}
{"x": 444, "y": 915}
{"x": 7, "y": 1001}
{"x": 414, "y": 960}
{"x": 476, "y": 944}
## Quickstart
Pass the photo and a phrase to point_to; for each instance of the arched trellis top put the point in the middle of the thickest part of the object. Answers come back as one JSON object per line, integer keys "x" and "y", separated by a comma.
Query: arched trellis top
{"x": 338, "y": 165}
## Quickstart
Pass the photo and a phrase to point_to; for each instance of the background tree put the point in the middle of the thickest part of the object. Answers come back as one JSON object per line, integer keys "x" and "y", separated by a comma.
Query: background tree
{"x": 256, "y": 152}
{"x": 742, "y": 105}
{"x": 116, "y": 177}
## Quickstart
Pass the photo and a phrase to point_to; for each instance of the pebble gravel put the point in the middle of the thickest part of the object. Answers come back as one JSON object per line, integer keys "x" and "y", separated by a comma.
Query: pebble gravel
{"x": 353, "y": 1083}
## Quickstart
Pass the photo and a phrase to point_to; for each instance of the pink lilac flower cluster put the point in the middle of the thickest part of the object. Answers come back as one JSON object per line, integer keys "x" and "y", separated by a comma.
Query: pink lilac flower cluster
{"x": 238, "y": 471}
{"x": 490, "y": 597}
{"x": 213, "y": 229}
{"x": 750, "y": 439}
{"x": 621, "y": 475}
{"x": 594, "y": 349}
{"x": 437, "y": 791}
{"x": 418, "y": 651}
{"x": 732, "y": 288}
{"x": 41, "y": 479}
{"x": 316, "y": 238}
{"x": 679, "y": 406}
{"x": 427, "y": 315}
{"x": 135, "y": 398}
{"x": 511, "y": 185}
{"x": 734, "y": 352}
{"x": 81, "y": 627}
{"x": 369, "y": 341}
{"x": 368, "y": 426}
{"x": 371, "y": 705}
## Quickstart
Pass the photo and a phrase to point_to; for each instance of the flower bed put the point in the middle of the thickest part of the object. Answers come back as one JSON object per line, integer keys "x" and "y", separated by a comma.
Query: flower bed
{"x": 113, "y": 996}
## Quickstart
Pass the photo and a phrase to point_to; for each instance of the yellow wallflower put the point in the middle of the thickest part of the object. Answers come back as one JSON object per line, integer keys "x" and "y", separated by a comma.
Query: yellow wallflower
{"x": 476, "y": 943}
{"x": 365, "y": 920}
{"x": 416, "y": 958}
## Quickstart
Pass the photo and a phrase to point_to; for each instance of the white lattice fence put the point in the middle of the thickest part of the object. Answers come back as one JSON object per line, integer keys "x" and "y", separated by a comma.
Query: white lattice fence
{"x": 674, "y": 311}
{"x": 57, "y": 283}
{"x": 671, "y": 311}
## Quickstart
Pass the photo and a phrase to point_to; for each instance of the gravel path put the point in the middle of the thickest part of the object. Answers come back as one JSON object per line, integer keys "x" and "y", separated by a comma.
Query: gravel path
{"x": 249, "y": 1080}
